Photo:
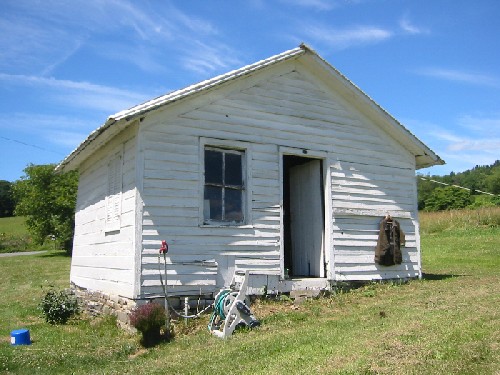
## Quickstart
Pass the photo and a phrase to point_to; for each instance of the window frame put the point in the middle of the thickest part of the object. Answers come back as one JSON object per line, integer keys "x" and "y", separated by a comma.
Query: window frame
{"x": 235, "y": 147}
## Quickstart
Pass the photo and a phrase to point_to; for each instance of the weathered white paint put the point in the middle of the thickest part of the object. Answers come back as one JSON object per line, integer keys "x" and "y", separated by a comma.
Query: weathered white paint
{"x": 291, "y": 104}
{"x": 259, "y": 119}
{"x": 105, "y": 260}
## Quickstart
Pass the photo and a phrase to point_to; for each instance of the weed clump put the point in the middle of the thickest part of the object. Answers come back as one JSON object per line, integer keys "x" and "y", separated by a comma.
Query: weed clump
{"x": 148, "y": 319}
{"x": 58, "y": 306}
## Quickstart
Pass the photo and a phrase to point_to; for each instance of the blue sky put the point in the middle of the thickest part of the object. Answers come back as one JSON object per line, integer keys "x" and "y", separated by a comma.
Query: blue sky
{"x": 65, "y": 66}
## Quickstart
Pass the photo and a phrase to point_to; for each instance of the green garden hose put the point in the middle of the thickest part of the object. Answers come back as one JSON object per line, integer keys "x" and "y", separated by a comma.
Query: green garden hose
{"x": 219, "y": 308}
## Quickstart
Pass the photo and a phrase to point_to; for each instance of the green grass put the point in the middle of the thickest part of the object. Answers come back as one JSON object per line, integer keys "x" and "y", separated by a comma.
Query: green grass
{"x": 13, "y": 225}
{"x": 14, "y": 236}
{"x": 447, "y": 323}
{"x": 437, "y": 222}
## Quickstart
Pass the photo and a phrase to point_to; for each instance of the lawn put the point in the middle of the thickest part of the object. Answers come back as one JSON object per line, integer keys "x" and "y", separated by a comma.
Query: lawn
{"x": 14, "y": 236}
{"x": 447, "y": 323}
{"x": 13, "y": 225}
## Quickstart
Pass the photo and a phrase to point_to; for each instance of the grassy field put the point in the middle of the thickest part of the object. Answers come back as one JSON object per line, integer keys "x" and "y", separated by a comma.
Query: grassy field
{"x": 448, "y": 323}
{"x": 14, "y": 236}
{"x": 13, "y": 225}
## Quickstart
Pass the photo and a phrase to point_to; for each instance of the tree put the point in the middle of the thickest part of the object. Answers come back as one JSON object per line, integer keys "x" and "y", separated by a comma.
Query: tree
{"x": 48, "y": 201}
{"x": 492, "y": 182}
{"x": 448, "y": 198}
{"x": 6, "y": 199}
{"x": 425, "y": 187}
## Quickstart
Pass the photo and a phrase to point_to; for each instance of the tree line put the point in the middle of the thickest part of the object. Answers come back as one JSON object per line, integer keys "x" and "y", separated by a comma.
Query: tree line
{"x": 47, "y": 199}
{"x": 462, "y": 190}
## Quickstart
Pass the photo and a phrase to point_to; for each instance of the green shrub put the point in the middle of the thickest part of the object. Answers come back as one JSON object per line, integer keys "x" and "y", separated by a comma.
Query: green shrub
{"x": 10, "y": 243}
{"x": 448, "y": 198}
{"x": 58, "y": 306}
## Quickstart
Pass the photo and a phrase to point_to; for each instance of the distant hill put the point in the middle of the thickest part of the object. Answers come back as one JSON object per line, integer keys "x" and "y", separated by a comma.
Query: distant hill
{"x": 435, "y": 195}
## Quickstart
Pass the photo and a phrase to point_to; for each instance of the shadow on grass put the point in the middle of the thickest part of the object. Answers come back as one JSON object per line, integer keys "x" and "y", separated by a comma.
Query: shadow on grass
{"x": 437, "y": 276}
{"x": 150, "y": 340}
{"x": 55, "y": 253}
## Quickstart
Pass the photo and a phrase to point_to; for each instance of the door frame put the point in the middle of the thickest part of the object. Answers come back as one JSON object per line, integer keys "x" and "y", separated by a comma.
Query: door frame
{"x": 327, "y": 193}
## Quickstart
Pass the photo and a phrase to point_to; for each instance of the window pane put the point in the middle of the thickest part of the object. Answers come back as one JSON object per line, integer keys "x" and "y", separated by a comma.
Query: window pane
{"x": 233, "y": 170}
{"x": 212, "y": 209}
{"x": 213, "y": 167}
{"x": 233, "y": 205}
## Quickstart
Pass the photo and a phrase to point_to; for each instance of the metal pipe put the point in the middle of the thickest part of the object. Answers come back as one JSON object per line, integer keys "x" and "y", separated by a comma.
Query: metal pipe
{"x": 186, "y": 310}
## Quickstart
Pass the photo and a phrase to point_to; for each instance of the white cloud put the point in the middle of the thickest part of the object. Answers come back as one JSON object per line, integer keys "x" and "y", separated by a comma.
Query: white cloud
{"x": 146, "y": 59}
{"x": 463, "y": 147}
{"x": 461, "y": 161}
{"x": 487, "y": 126}
{"x": 28, "y": 122}
{"x": 68, "y": 139}
{"x": 54, "y": 129}
{"x": 44, "y": 46}
{"x": 57, "y": 30}
{"x": 345, "y": 38}
{"x": 477, "y": 141}
{"x": 321, "y": 5}
{"x": 205, "y": 59}
{"x": 485, "y": 145}
{"x": 460, "y": 76}
{"x": 80, "y": 94}
{"x": 410, "y": 28}
{"x": 316, "y": 4}
{"x": 62, "y": 58}
{"x": 194, "y": 24}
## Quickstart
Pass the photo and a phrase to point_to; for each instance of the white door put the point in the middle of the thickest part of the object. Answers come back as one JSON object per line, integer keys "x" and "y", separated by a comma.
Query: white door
{"x": 306, "y": 219}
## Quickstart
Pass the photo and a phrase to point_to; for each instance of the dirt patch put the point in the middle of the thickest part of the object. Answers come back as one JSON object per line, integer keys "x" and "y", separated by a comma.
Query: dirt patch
{"x": 138, "y": 353}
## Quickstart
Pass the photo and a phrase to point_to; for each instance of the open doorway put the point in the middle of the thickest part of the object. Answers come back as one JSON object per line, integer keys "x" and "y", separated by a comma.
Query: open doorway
{"x": 303, "y": 216}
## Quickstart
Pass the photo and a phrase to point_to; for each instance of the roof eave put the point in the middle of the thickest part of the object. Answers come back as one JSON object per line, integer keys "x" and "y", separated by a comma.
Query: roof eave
{"x": 79, "y": 154}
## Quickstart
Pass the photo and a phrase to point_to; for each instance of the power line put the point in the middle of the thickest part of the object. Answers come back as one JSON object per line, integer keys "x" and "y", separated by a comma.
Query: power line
{"x": 30, "y": 145}
{"x": 457, "y": 186}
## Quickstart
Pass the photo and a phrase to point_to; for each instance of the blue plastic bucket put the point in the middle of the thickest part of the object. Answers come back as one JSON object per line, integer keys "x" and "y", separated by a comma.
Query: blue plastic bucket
{"x": 20, "y": 337}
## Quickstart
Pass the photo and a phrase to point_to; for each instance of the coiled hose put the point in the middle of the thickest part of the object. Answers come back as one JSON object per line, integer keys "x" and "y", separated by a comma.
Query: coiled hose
{"x": 219, "y": 308}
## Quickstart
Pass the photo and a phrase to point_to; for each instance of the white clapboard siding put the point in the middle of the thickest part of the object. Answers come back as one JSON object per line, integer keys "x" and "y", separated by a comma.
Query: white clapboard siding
{"x": 355, "y": 238}
{"x": 115, "y": 275}
{"x": 260, "y": 266}
{"x": 366, "y": 258}
{"x": 361, "y": 194}
{"x": 107, "y": 285}
{"x": 106, "y": 261}
{"x": 369, "y": 174}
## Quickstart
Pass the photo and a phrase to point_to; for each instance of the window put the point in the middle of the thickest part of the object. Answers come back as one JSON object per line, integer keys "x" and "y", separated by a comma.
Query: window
{"x": 114, "y": 193}
{"x": 224, "y": 186}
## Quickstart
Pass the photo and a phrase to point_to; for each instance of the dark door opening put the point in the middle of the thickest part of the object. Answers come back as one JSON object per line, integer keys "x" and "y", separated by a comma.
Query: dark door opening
{"x": 303, "y": 216}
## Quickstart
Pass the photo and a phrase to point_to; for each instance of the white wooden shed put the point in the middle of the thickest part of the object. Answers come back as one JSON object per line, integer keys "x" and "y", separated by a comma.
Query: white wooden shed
{"x": 283, "y": 167}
